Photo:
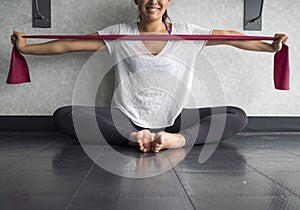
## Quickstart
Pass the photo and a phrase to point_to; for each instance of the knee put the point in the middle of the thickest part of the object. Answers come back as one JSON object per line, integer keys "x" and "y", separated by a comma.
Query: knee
{"x": 60, "y": 113}
{"x": 240, "y": 115}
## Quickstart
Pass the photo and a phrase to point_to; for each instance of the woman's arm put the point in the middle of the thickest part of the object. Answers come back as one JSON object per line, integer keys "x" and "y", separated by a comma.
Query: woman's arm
{"x": 249, "y": 45}
{"x": 55, "y": 47}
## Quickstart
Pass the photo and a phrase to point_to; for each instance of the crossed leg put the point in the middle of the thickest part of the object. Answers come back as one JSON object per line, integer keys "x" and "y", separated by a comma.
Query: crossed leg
{"x": 213, "y": 124}
{"x": 117, "y": 128}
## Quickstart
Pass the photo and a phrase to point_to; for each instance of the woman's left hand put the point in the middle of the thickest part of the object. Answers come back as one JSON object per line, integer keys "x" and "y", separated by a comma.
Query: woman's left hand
{"x": 277, "y": 44}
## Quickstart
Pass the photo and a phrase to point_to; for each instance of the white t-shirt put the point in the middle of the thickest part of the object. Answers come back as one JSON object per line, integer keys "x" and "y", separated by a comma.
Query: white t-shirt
{"x": 152, "y": 89}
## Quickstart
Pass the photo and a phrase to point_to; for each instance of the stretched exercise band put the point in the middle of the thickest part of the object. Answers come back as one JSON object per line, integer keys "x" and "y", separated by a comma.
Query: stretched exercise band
{"x": 19, "y": 73}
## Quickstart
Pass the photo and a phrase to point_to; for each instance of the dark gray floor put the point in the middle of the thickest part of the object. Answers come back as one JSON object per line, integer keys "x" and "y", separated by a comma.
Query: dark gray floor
{"x": 45, "y": 170}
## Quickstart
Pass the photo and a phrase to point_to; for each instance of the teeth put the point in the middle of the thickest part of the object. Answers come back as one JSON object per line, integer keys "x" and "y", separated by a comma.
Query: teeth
{"x": 153, "y": 9}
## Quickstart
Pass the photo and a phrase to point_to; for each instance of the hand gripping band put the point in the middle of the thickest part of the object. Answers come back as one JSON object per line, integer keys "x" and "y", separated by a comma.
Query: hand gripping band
{"x": 19, "y": 73}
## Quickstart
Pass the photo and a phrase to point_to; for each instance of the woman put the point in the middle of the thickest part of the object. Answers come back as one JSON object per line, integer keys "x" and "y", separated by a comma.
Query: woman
{"x": 134, "y": 129}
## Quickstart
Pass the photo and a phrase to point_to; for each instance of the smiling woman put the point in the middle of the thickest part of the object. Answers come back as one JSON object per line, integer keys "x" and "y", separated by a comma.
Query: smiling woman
{"x": 152, "y": 14}
{"x": 139, "y": 112}
{"x": 153, "y": 8}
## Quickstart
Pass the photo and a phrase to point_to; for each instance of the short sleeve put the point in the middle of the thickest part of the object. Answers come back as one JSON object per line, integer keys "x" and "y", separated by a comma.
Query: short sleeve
{"x": 198, "y": 30}
{"x": 110, "y": 30}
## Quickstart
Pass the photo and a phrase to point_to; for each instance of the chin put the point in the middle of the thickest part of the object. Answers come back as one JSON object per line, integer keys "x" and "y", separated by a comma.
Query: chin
{"x": 153, "y": 18}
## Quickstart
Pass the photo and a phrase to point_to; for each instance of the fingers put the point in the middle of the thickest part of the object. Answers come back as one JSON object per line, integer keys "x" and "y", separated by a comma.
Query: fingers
{"x": 281, "y": 38}
{"x": 277, "y": 43}
{"x": 16, "y": 36}
{"x": 13, "y": 37}
{"x": 285, "y": 39}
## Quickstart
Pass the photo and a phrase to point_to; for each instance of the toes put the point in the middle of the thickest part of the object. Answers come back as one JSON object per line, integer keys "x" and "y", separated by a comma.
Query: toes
{"x": 140, "y": 143}
{"x": 158, "y": 142}
{"x": 147, "y": 141}
{"x": 139, "y": 137}
{"x": 157, "y": 148}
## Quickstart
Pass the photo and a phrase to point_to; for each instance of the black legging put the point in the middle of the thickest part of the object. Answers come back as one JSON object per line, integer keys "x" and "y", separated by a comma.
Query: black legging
{"x": 116, "y": 132}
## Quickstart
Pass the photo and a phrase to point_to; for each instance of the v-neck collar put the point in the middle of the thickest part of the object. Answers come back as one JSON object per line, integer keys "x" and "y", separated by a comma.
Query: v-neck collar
{"x": 136, "y": 31}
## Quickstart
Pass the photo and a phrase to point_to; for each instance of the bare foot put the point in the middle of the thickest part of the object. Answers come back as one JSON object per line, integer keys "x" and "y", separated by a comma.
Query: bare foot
{"x": 164, "y": 140}
{"x": 143, "y": 140}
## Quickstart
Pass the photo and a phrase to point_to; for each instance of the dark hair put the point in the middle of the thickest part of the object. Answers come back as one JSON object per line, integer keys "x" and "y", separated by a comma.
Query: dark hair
{"x": 165, "y": 16}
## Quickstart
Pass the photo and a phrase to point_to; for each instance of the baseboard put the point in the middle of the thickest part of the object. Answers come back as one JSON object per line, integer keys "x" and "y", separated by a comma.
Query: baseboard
{"x": 27, "y": 123}
{"x": 273, "y": 124}
{"x": 45, "y": 123}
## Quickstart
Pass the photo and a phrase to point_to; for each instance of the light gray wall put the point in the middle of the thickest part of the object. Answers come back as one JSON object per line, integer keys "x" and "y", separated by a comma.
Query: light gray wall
{"x": 245, "y": 77}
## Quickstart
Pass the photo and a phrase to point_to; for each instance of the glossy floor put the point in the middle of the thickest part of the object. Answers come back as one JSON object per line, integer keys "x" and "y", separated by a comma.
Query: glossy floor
{"x": 47, "y": 170}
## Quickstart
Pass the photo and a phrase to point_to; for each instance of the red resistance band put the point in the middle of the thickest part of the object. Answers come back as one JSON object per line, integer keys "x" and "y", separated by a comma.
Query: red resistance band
{"x": 19, "y": 73}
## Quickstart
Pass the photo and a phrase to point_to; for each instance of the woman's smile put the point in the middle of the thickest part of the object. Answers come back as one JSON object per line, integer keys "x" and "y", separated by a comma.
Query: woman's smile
{"x": 152, "y": 9}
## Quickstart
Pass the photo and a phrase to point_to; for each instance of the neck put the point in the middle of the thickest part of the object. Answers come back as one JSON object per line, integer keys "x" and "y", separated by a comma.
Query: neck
{"x": 155, "y": 26}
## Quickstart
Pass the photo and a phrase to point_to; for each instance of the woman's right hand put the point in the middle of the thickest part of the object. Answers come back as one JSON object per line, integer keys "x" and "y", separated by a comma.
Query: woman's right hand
{"x": 17, "y": 40}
